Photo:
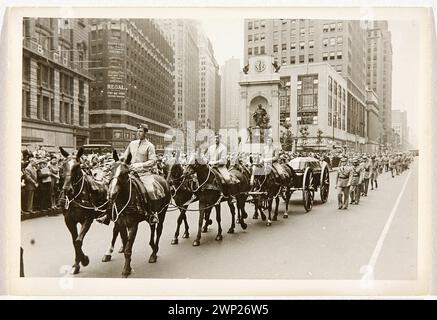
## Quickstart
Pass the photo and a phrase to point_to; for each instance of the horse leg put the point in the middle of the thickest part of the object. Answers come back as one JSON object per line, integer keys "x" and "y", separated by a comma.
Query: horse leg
{"x": 123, "y": 234}
{"x": 208, "y": 221}
{"x": 232, "y": 208}
{"x": 269, "y": 209}
{"x": 72, "y": 227}
{"x": 179, "y": 222}
{"x": 186, "y": 233}
{"x": 132, "y": 233}
{"x": 152, "y": 240}
{"x": 108, "y": 254}
{"x": 275, "y": 215}
{"x": 154, "y": 255}
{"x": 84, "y": 230}
{"x": 256, "y": 203}
{"x": 218, "y": 218}
{"x": 241, "y": 201}
{"x": 196, "y": 242}
{"x": 287, "y": 200}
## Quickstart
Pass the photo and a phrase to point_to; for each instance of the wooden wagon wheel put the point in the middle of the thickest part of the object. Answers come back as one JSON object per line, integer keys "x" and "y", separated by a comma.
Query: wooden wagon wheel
{"x": 324, "y": 183}
{"x": 308, "y": 189}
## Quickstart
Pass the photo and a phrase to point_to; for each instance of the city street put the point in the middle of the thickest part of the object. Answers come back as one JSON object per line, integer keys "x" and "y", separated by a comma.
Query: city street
{"x": 325, "y": 243}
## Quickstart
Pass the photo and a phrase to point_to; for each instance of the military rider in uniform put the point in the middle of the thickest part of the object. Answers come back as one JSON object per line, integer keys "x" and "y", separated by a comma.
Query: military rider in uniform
{"x": 271, "y": 157}
{"x": 216, "y": 155}
{"x": 143, "y": 163}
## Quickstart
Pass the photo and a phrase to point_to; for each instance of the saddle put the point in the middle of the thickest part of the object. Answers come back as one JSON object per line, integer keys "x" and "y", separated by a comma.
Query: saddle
{"x": 151, "y": 186}
{"x": 98, "y": 190}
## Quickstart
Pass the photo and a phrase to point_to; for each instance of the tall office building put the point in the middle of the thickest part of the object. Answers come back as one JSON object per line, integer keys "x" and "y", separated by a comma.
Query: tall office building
{"x": 183, "y": 35}
{"x": 379, "y": 72}
{"x": 400, "y": 126}
{"x": 133, "y": 64}
{"x": 55, "y": 82}
{"x": 230, "y": 93}
{"x": 209, "y": 79}
{"x": 339, "y": 43}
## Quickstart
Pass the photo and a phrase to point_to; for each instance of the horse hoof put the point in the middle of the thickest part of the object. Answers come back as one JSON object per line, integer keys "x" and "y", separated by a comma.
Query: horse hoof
{"x": 175, "y": 241}
{"x": 219, "y": 238}
{"x": 85, "y": 261}
{"x": 106, "y": 258}
{"x": 244, "y": 216}
{"x": 75, "y": 270}
{"x": 121, "y": 250}
{"x": 268, "y": 224}
{"x": 231, "y": 230}
{"x": 186, "y": 235}
{"x": 209, "y": 222}
{"x": 274, "y": 219}
{"x": 243, "y": 226}
{"x": 196, "y": 243}
{"x": 285, "y": 216}
{"x": 152, "y": 259}
{"x": 263, "y": 218}
{"x": 255, "y": 217}
{"x": 204, "y": 229}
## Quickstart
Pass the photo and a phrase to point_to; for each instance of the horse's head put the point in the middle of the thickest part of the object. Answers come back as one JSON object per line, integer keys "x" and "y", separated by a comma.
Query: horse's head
{"x": 119, "y": 175}
{"x": 174, "y": 169}
{"x": 71, "y": 170}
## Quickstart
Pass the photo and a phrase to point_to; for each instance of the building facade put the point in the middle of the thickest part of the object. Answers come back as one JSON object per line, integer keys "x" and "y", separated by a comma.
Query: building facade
{"x": 209, "y": 81}
{"x": 133, "y": 63}
{"x": 230, "y": 93}
{"x": 183, "y": 37}
{"x": 400, "y": 127}
{"x": 55, "y": 83}
{"x": 379, "y": 72}
{"x": 301, "y": 42}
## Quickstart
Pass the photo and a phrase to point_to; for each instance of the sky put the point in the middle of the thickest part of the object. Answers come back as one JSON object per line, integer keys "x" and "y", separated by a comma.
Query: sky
{"x": 227, "y": 36}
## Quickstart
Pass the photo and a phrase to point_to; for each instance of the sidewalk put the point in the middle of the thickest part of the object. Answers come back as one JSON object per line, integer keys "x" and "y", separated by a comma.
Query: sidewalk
{"x": 39, "y": 214}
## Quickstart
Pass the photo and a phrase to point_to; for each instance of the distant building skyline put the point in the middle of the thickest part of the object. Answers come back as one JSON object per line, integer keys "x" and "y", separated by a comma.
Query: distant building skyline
{"x": 230, "y": 93}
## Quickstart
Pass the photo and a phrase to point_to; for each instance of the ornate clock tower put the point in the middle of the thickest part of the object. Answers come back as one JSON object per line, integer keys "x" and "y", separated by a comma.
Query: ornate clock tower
{"x": 259, "y": 99}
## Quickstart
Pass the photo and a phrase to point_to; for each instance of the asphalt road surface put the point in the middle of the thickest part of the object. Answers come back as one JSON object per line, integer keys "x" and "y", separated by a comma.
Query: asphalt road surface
{"x": 379, "y": 235}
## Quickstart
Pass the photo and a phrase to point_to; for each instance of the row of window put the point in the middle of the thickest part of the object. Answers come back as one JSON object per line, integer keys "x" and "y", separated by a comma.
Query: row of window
{"x": 334, "y": 26}
{"x": 45, "y": 109}
{"x": 332, "y": 55}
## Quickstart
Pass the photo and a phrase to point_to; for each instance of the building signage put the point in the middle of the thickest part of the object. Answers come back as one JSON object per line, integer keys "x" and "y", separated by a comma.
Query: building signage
{"x": 116, "y": 90}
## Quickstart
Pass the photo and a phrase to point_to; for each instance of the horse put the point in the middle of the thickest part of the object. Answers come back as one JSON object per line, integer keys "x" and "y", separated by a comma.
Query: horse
{"x": 80, "y": 203}
{"x": 210, "y": 195}
{"x": 267, "y": 188}
{"x": 128, "y": 207}
{"x": 182, "y": 192}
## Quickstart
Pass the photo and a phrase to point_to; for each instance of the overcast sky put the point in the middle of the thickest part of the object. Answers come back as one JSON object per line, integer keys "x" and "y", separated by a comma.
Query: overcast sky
{"x": 227, "y": 39}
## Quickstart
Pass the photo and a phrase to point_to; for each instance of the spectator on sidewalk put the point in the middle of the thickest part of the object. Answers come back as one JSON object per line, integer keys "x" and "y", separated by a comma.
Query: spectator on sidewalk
{"x": 54, "y": 176}
{"x": 31, "y": 183}
{"x": 44, "y": 180}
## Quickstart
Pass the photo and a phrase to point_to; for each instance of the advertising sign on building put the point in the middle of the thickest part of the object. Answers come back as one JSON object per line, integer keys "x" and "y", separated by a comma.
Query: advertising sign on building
{"x": 116, "y": 87}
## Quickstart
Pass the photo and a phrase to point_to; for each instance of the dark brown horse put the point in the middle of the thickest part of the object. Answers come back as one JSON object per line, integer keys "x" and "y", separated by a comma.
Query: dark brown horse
{"x": 81, "y": 204}
{"x": 182, "y": 192}
{"x": 129, "y": 206}
{"x": 267, "y": 187}
{"x": 209, "y": 193}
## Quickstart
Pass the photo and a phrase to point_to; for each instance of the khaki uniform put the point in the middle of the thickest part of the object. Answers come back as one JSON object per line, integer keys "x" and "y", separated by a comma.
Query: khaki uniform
{"x": 343, "y": 185}
{"x": 356, "y": 183}
{"x": 219, "y": 153}
{"x": 144, "y": 163}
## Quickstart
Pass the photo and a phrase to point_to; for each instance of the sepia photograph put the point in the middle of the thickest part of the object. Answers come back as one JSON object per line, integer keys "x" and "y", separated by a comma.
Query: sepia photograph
{"x": 278, "y": 145}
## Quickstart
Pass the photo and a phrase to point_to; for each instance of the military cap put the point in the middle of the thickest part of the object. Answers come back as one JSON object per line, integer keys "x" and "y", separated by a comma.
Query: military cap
{"x": 143, "y": 126}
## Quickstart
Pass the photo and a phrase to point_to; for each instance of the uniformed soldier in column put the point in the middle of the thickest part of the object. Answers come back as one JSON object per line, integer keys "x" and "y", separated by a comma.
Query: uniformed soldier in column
{"x": 356, "y": 181}
{"x": 343, "y": 184}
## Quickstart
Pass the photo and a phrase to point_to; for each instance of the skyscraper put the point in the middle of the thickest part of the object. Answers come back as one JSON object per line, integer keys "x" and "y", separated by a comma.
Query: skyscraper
{"x": 208, "y": 73}
{"x": 230, "y": 93}
{"x": 133, "y": 64}
{"x": 55, "y": 82}
{"x": 400, "y": 126}
{"x": 379, "y": 72}
{"x": 184, "y": 40}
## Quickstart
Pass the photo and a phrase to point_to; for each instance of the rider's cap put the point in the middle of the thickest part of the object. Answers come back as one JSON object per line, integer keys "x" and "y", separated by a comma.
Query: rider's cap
{"x": 143, "y": 126}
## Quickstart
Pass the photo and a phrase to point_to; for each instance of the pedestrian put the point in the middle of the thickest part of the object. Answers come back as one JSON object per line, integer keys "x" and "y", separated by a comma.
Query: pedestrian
{"x": 356, "y": 181}
{"x": 392, "y": 165}
{"x": 367, "y": 169}
{"x": 31, "y": 183}
{"x": 343, "y": 184}
{"x": 54, "y": 176}
{"x": 374, "y": 173}
{"x": 44, "y": 181}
